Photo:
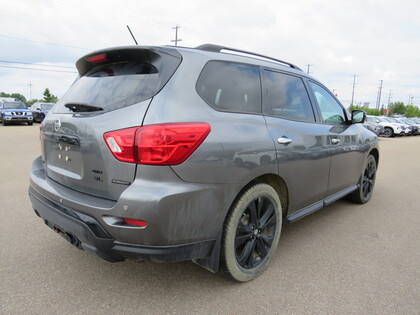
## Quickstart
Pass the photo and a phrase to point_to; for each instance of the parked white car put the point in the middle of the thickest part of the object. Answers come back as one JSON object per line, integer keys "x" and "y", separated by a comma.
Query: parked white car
{"x": 391, "y": 128}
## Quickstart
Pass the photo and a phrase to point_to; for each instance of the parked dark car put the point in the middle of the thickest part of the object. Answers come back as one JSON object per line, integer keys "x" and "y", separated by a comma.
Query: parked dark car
{"x": 40, "y": 110}
{"x": 140, "y": 158}
{"x": 15, "y": 112}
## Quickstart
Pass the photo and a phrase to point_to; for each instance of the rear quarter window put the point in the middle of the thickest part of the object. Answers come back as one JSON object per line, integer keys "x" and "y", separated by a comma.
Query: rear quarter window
{"x": 232, "y": 87}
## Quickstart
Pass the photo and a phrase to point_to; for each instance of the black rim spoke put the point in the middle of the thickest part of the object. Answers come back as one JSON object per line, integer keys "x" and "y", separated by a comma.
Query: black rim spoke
{"x": 239, "y": 240}
{"x": 247, "y": 253}
{"x": 267, "y": 240}
{"x": 268, "y": 218}
{"x": 253, "y": 216}
{"x": 262, "y": 248}
{"x": 243, "y": 229}
{"x": 251, "y": 261}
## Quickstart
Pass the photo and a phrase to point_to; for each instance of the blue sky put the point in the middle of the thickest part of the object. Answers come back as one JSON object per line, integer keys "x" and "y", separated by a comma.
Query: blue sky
{"x": 374, "y": 40}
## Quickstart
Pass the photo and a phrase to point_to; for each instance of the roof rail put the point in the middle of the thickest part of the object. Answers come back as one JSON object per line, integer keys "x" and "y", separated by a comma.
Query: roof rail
{"x": 217, "y": 48}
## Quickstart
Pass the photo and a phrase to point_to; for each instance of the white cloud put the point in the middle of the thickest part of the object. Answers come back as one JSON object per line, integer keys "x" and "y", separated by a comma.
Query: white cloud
{"x": 375, "y": 40}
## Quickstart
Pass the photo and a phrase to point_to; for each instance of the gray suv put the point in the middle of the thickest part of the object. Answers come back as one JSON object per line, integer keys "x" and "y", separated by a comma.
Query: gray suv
{"x": 173, "y": 154}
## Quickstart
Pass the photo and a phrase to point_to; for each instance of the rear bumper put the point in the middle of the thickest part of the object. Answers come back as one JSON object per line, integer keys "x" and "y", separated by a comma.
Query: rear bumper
{"x": 87, "y": 234}
{"x": 183, "y": 219}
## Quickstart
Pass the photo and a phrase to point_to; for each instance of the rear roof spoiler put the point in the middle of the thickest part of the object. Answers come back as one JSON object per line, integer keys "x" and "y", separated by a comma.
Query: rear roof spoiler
{"x": 148, "y": 54}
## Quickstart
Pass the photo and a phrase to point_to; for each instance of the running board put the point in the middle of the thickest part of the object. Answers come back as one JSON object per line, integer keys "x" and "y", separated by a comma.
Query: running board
{"x": 319, "y": 204}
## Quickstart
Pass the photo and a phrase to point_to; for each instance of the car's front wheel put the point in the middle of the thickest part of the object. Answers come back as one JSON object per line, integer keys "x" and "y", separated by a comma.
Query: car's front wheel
{"x": 388, "y": 132}
{"x": 251, "y": 233}
{"x": 366, "y": 182}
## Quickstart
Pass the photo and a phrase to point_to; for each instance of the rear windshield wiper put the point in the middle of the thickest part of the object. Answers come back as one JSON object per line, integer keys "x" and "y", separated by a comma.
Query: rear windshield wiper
{"x": 83, "y": 108}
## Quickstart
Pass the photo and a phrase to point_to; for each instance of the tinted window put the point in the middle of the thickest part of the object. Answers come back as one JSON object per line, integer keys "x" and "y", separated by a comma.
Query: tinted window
{"x": 16, "y": 105}
{"x": 331, "y": 110}
{"x": 231, "y": 86}
{"x": 285, "y": 96}
{"x": 46, "y": 106}
{"x": 113, "y": 86}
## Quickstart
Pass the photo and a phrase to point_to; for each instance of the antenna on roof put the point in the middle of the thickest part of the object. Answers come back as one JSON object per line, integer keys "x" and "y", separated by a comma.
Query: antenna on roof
{"x": 132, "y": 34}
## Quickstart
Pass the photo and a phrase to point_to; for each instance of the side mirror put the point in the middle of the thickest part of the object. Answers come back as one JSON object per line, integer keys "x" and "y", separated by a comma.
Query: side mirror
{"x": 38, "y": 108}
{"x": 358, "y": 116}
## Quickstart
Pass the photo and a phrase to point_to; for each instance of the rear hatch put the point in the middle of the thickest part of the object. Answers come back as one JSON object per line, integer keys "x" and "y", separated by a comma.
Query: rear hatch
{"x": 113, "y": 91}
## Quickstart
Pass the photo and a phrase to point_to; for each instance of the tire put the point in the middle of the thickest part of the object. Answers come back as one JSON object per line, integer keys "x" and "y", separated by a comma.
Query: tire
{"x": 366, "y": 182}
{"x": 30, "y": 123}
{"x": 388, "y": 132}
{"x": 4, "y": 122}
{"x": 251, "y": 233}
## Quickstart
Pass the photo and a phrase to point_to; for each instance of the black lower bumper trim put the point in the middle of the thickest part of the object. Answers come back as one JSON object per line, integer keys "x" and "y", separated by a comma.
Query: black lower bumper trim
{"x": 87, "y": 234}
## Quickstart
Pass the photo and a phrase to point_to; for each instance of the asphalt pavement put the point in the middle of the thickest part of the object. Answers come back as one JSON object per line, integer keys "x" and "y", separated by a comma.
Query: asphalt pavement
{"x": 344, "y": 259}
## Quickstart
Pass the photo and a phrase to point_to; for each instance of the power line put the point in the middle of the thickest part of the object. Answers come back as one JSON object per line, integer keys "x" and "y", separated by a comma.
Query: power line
{"x": 36, "y": 69}
{"x": 34, "y": 64}
{"x": 41, "y": 42}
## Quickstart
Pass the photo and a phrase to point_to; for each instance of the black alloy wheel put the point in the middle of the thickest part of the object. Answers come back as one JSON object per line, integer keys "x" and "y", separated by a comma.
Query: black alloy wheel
{"x": 255, "y": 233}
{"x": 251, "y": 232}
{"x": 368, "y": 180}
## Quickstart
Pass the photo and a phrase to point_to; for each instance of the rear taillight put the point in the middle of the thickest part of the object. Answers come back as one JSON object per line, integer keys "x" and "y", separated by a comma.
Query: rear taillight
{"x": 163, "y": 144}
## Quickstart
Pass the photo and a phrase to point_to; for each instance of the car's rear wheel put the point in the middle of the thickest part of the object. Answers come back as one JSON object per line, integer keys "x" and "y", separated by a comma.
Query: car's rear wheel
{"x": 251, "y": 233}
{"x": 388, "y": 132}
{"x": 366, "y": 182}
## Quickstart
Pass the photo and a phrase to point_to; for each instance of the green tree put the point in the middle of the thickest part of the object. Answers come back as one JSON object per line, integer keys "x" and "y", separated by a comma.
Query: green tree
{"x": 369, "y": 111}
{"x": 32, "y": 101}
{"x": 412, "y": 111}
{"x": 48, "y": 97}
{"x": 18, "y": 96}
{"x": 396, "y": 108}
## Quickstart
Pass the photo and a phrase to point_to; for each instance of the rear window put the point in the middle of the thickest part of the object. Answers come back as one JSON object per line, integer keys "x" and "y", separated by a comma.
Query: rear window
{"x": 232, "y": 87}
{"x": 46, "y": 106}
{"x": 113, "y": 86}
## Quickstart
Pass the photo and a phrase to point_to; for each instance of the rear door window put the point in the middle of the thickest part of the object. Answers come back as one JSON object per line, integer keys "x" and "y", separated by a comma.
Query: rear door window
{"x": 229, "y": 86}
{"x": 285, "y": 96}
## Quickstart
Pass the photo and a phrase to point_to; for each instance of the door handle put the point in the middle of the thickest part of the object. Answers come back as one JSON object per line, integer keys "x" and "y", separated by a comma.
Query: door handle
{"x": 284, "y": 140}
{"x": 335, "y": 141}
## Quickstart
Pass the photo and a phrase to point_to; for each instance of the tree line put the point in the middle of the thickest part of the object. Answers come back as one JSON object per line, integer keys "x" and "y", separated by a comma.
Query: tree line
{"x": 397, "y": 108}
{"x": 48, "y": 97}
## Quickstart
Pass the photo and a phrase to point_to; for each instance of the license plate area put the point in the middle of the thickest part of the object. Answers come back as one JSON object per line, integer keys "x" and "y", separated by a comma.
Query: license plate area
{"x": 64, "y": 158}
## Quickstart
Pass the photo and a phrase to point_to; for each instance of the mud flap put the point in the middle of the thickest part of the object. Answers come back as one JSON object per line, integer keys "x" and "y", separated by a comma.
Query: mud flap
{"x": 212, "y": 262}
